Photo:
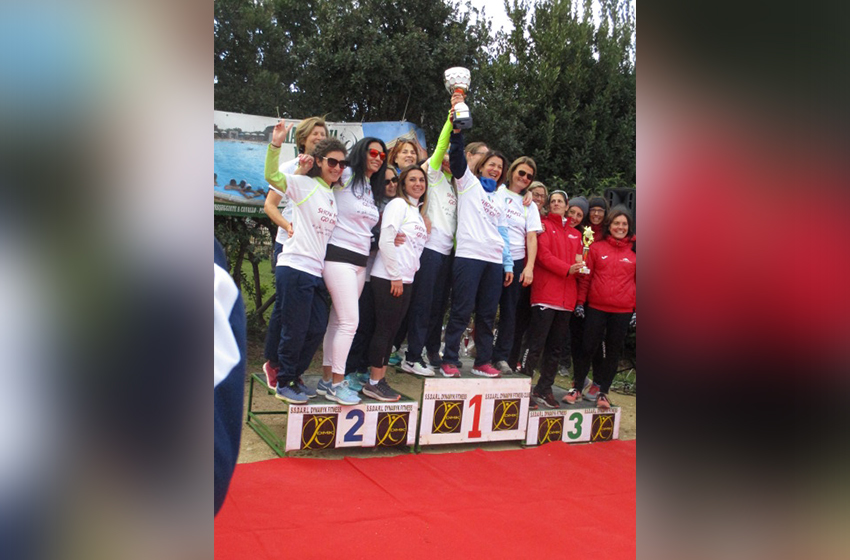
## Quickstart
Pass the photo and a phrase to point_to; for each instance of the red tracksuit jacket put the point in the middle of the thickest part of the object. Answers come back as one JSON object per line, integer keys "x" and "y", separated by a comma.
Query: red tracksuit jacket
{"x": 611, "y": 285}
{"x": 557, "y": 247}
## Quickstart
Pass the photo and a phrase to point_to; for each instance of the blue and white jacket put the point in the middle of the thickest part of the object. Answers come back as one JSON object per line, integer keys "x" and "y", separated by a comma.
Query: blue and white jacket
{"x": 229, "y": 362}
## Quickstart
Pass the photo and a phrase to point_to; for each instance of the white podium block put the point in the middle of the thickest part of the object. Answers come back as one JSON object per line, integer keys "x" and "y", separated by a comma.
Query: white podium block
{"x": 572, "y": 424}
{"x": 462, "y": 410}
{"x": 322, "y": 424}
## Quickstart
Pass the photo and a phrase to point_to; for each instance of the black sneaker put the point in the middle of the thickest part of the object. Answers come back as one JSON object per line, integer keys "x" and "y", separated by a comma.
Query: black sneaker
{"x": 547, "y": 397}
{"x": 382, "y": 391}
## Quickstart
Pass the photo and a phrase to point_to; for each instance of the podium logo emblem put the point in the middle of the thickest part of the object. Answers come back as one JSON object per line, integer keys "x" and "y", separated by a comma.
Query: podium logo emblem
{"x": 551, "y": 428}
{"x": 447, "y": 417}
{"x": 505, "y": 415}
{"x": 602, "y": 428}
{"x": 392, "y": 428}
{"x": 318, "y": 431}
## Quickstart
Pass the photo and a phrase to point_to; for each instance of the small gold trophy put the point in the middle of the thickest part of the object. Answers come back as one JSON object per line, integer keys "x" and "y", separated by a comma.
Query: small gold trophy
{"x": 586, "y": 240}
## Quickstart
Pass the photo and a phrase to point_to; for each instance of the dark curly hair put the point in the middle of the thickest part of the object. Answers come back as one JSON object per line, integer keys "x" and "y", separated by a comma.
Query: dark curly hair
{"x": 323, "y": 148}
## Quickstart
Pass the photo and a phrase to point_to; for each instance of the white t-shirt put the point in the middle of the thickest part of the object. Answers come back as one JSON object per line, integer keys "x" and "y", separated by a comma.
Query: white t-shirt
{"x": 314, "y": 209}
{"x": 356, "y": 216}
{"x": 288, "y": 167}
{"x": 521, "y": 220}
{"x": 401, "y": 216}
{"x": 442, "y": 211}
{"x": 479, "y": 215}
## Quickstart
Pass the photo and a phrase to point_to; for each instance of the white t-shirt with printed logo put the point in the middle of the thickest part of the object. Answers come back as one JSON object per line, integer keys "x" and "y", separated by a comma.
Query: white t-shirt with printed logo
{"x": 314, "y": 210}
{"x": 401, "y": 216}
{"x": 356, "y": 216}
{"x": 289, "y": 168}
{"x": 479, "y": 215}
{"x": 520, "y": 220}
{"x": 442, "y": 211}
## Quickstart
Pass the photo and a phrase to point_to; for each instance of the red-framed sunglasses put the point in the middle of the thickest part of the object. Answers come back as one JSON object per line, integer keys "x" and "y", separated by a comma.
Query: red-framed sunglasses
{"x": 376, "y": 153}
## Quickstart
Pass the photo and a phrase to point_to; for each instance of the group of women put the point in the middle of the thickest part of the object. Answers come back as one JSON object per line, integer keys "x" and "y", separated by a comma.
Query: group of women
{"x": 462, "y": 225}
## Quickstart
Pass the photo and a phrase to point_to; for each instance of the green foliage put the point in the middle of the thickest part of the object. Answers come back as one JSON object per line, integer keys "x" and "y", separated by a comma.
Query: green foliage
{"x": 246, "y": 243}
{"x": 555, "y": 86}
{"x": 562, "y": 91}
{"x": 367, "y": 60}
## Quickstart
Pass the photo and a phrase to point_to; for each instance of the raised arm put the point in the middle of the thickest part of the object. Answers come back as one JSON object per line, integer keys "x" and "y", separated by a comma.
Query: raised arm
{"x": 436, "y": 160}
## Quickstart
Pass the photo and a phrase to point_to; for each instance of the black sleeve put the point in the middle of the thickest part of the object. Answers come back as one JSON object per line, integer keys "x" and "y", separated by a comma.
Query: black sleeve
{"x": 457, "y": 159}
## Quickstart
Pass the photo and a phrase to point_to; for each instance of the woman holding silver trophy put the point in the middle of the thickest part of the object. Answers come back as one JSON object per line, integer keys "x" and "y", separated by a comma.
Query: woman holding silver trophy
{"x": 483, "y": 262}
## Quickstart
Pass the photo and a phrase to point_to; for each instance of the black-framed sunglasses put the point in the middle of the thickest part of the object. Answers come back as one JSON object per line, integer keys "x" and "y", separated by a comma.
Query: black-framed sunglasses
{"x": 393, "y": 180}
{"x": 377, "y": 154}
{"x": 333, "y": 162}
{"x": 522, "y": 173}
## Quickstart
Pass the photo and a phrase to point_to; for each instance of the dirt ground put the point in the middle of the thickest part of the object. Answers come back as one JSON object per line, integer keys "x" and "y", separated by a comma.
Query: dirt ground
{"x": 254, "y": 449}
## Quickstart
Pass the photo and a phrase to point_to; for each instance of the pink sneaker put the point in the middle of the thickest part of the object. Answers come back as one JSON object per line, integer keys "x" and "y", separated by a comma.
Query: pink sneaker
{"x": 602, "y": 401}
{"x": 486, "y": 370}
{"x": 573, "y": 396}
{"x": 449, "y": 370}
{"x": 271, "y": 375}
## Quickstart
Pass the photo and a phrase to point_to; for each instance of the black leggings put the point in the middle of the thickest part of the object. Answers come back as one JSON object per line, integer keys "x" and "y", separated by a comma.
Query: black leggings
{"x": 580, "y": 359}
{"x": 548, "y": 334}
{"x": 599, "y": 326}
{"x": 389, "y": 312}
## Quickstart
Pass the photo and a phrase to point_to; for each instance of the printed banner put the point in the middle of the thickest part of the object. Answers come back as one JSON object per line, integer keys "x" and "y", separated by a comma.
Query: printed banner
{"x": 466, "y": 410}
{"x": 572, "y": 425}
{"x": 368, "y": 424}
{"x": 240, "y": 142}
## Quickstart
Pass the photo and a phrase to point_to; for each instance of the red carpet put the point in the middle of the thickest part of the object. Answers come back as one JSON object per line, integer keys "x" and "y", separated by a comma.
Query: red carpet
{"x": 554, "y": 501}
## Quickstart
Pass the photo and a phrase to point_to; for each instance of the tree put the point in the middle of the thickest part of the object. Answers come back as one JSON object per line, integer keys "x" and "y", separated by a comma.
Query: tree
{"x": 562, "y": 90}
{"x": 366, "y": 60}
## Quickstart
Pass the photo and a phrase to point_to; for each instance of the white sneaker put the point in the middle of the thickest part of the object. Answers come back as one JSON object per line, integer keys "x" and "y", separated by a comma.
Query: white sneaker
{"x": 417, "y": 368}
{"x": 503, "y": 367}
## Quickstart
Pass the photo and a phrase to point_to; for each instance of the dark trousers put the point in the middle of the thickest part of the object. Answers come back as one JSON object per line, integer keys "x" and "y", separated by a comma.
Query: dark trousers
{"x": 389, "y": 311}
{"x": 302, "y": 307}
{"x": 274, "y": 319}
{"x": 523, "y": 318}
{"x": 599, "y": 326}
{"x": 477, "y": 287}
{"x": 422, "y": 313}
{"x": 439, "y": 307}
{"x": 548, "y": 334}
{"x": 358, "y": 355}
{"x": 507, "y": 316}
{"x": 580, "y": 359}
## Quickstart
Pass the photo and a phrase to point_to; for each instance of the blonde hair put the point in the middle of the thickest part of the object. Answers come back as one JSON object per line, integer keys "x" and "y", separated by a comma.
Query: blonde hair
{"x": 522, "y": 160}
{"x": 304, "y": 128}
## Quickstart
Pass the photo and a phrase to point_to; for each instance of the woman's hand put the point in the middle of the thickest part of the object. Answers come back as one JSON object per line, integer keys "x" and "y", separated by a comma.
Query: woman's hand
{"x": 457, "y": 98}
{"x": 289, "y": 229}
{"x": 579, "y": 312}
{"x": 575, "y": 268}
{"x": 527, "y": 199}
{"x": 279, "y": 133}
{"x": 400, "y": 238}
{"x": 509, "y": 278}
{"x": 305, "y": 164}
{"x": 396, "y": 288}
{"x": 527, "y": 276}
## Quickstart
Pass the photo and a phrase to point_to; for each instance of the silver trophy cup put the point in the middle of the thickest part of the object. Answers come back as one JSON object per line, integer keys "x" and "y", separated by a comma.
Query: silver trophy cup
{"x": 457, "y": 79}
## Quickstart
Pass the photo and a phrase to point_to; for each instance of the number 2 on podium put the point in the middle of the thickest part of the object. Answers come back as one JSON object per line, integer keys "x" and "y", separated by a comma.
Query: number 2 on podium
{"x": 475, "y": 432}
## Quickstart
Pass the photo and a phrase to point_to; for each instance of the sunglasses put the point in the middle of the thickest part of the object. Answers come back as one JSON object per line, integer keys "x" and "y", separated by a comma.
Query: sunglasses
{"x": 333, "y": 162}
{"x": 393, "y": 180}
{"x": 376, "y": 153}
{"x": 522, "y": 173}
